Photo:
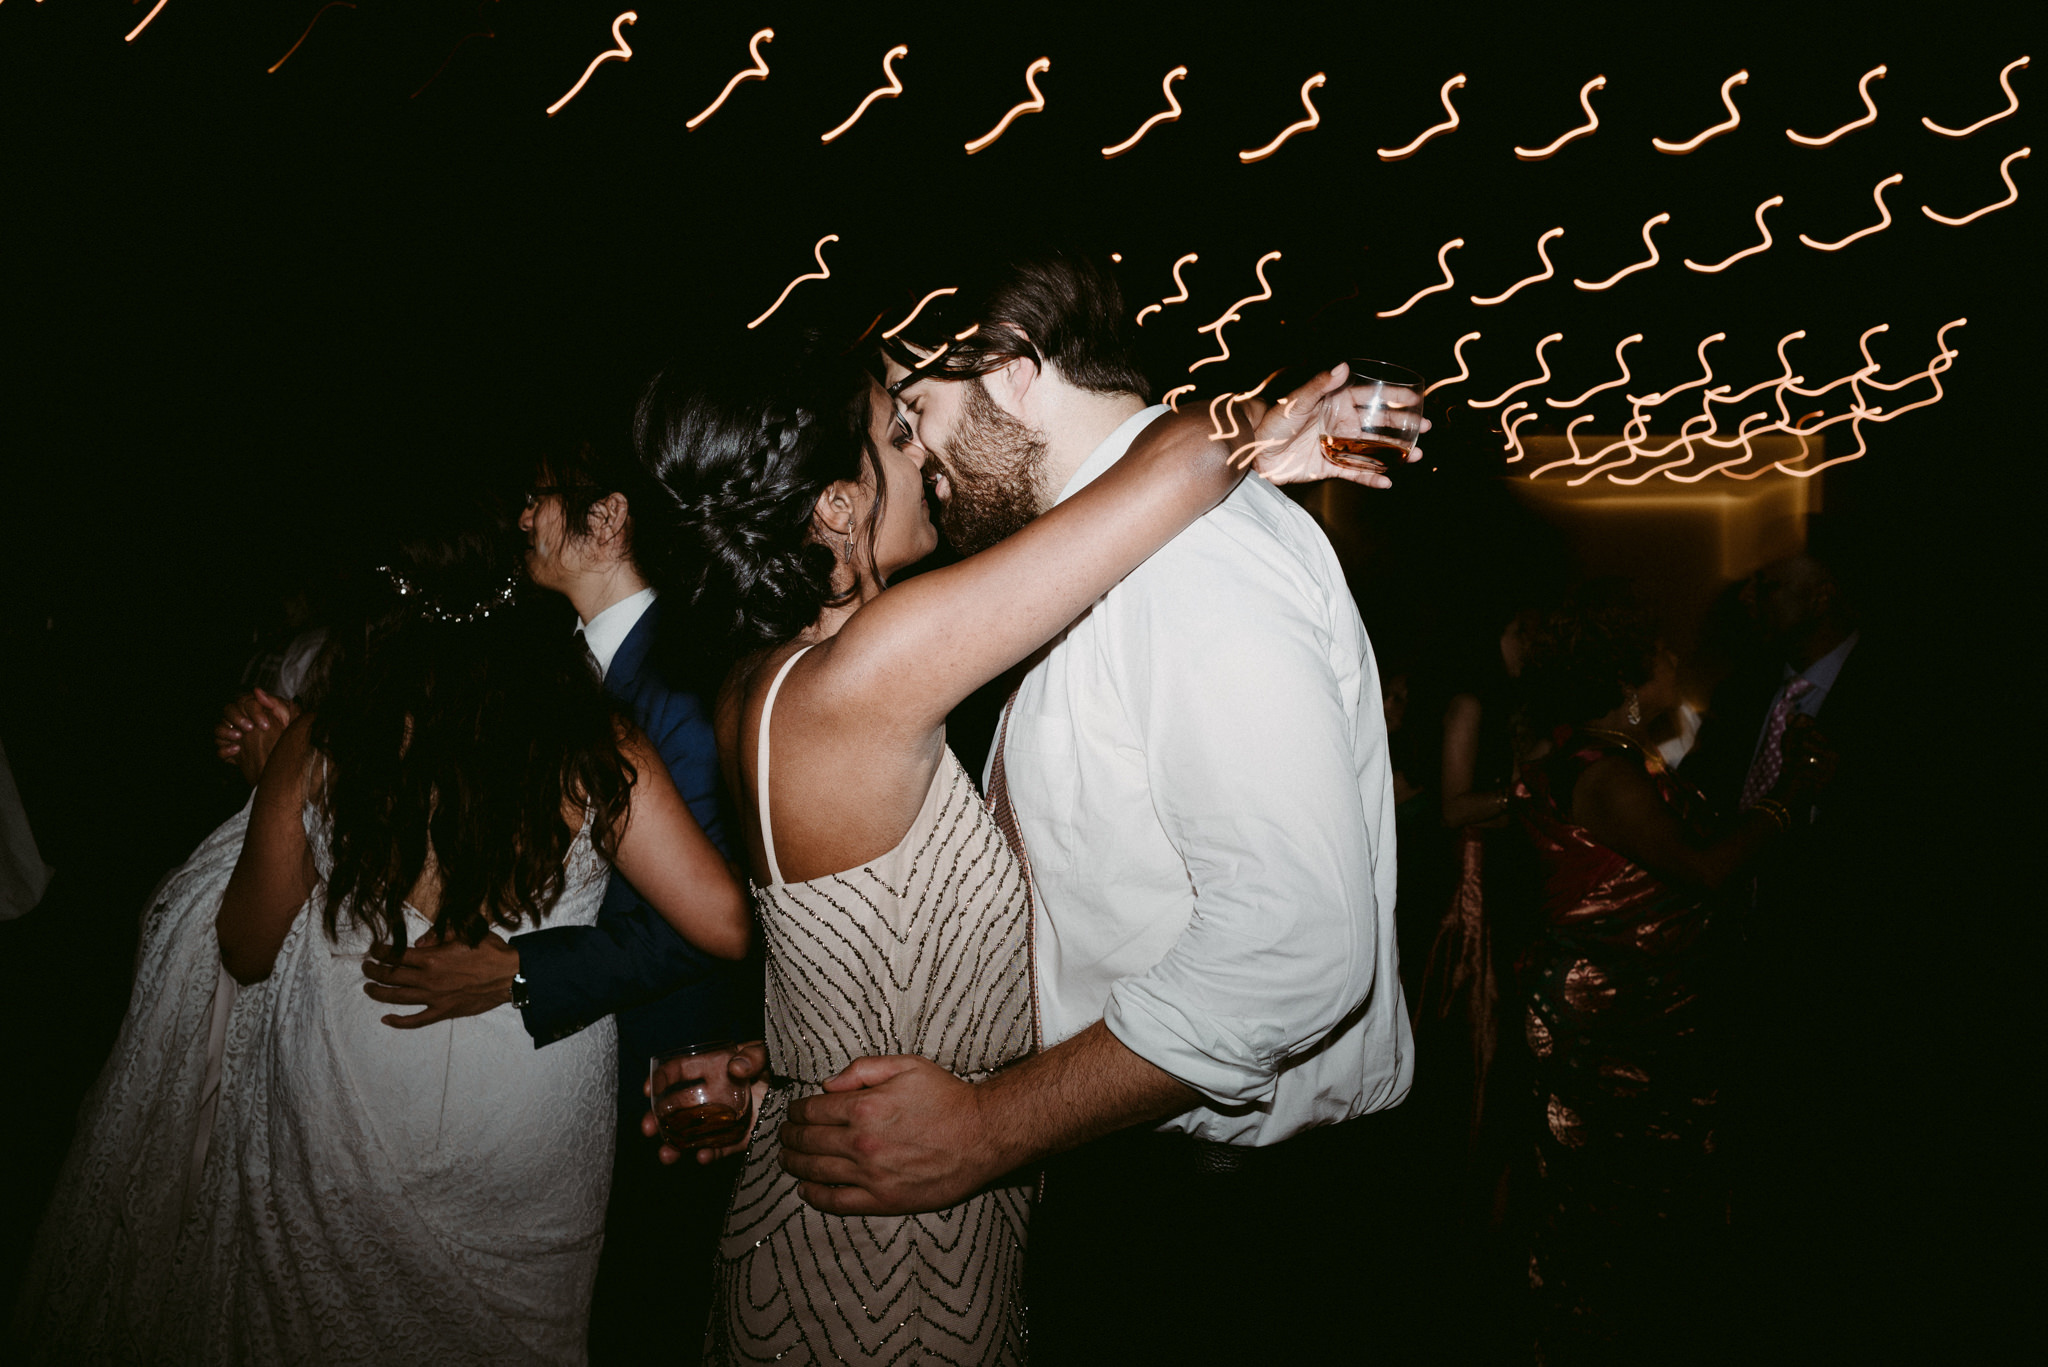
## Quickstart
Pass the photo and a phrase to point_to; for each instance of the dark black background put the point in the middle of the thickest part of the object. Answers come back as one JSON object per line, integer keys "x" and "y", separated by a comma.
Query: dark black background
{"x": 237, "y": 302}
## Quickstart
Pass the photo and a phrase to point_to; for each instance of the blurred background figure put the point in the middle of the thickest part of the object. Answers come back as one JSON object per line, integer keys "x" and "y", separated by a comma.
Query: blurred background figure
{"x": 1621, "y": 991}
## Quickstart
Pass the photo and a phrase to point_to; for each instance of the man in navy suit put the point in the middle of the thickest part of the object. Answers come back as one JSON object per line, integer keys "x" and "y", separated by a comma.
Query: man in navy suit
{"x": 662, "y": 1222}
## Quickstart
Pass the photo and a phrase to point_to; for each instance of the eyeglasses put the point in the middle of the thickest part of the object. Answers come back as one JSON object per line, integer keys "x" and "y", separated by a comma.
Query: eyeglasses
{"x": 539, "y": 492}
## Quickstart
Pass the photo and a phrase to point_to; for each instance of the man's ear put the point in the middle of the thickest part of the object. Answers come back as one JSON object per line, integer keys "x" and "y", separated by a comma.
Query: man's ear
{"x": 1013, "y": 385}
{"x": 608, "y": 519}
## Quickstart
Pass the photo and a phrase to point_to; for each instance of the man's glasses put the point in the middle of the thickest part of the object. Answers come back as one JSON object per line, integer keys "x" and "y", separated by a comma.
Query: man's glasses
{"x": 539, "y": 492}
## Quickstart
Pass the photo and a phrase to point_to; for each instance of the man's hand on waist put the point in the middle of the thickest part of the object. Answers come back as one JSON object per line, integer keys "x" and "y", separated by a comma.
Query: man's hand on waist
{"x": 446, "y": 977}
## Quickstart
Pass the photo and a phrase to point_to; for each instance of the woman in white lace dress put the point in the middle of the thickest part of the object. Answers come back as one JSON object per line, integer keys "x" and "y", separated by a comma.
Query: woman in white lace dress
{"x": 265, "y": 1171}
{"x": 895, "y": 913}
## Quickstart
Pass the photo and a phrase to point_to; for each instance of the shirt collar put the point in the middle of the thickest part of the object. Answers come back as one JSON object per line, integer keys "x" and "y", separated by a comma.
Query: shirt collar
{"x": 1823, "y": 672}
{"x": 1110, "y": 451}
{"x": 607, "y": 631}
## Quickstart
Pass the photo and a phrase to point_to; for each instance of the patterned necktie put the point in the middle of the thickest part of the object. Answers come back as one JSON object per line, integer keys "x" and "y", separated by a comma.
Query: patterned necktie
{"x": 1770, "y": 756}
{"x": 1006, "y": 822}
{"x": 589, "y": 655}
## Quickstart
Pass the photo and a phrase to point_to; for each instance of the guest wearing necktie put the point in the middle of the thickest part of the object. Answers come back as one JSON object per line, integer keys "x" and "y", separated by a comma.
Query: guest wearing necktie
{"x": 592, "y": 527}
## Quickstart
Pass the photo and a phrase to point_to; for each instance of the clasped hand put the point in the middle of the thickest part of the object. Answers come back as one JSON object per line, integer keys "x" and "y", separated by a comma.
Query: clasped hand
{"x": 447, "y": 977}
{"x": 1286, "y": 445}
{"x": 890, "y": 1136}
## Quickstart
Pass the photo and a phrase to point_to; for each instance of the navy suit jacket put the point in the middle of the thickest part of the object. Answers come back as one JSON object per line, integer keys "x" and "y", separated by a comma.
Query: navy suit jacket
{"x": 665, "y": 991}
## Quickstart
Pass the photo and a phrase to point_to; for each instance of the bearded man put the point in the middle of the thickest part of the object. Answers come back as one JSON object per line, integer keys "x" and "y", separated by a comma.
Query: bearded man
{"x": 1196, "y": 774}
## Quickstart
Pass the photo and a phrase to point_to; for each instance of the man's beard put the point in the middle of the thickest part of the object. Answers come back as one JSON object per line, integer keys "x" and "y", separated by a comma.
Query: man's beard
{"x": 993, "y": 463}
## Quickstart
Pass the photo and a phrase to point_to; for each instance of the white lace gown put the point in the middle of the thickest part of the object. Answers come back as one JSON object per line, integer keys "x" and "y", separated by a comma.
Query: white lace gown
{"x": 362, "y": 1194}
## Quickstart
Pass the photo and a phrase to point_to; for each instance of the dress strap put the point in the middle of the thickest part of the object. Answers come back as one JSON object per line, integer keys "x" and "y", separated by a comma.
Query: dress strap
{"x": 761, "y": 769}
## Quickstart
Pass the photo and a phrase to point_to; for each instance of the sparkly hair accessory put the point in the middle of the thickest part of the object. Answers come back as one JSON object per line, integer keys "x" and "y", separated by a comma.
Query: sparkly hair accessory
{"x": 431, "y": 609}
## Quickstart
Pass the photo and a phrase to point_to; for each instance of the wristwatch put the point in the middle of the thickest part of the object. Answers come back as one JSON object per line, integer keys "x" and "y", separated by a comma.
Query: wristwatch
{"x": 519, "y": 997}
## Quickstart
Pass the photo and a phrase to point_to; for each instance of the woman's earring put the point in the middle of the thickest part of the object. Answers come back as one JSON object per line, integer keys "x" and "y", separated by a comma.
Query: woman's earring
{"x": 1635, "y": 708}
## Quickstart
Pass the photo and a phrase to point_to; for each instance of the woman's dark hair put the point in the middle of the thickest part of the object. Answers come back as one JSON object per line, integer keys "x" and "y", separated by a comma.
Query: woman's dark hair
{"x": 1586, "y": 652}
{"x": 1058, "y": 308}
{"x": 457, "y": 726}
{"x": 745, "y": 441}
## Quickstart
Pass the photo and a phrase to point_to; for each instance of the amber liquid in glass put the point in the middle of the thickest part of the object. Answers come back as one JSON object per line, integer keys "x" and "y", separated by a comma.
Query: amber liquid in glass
{"x": 709, "y": 1126}
{"x": 1365, "y": 453}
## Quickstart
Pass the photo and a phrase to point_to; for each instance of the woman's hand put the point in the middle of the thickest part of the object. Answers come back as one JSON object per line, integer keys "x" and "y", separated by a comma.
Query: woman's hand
{"x": 1287, "y": 445}
{"x": 248, "y": 731}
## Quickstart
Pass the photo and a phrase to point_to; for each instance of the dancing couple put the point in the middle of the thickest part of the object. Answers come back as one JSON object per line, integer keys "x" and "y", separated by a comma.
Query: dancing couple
{"x": 1158, "y": 962}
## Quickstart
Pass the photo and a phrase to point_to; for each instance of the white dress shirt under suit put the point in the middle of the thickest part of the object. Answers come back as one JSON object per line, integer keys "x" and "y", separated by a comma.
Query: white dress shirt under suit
{"x": 606, "y": 632}
{"x": 1199, "y": 767}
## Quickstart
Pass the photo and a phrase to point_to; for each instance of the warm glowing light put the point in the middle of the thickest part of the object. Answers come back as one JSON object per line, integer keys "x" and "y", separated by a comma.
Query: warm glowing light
{"x": 1592, "y": 123}
{"x": 965, "y": 332}
{"x": 1884, "y": 221}
{"x": 1869, "y": 113}
{"x": 1514, "y": 442}
{"x": 2012, "y": 106}
{"x": 1216, "y": 432}
{"x": 1298, "y": 126}
{"x": 1644, "y": 265}
{"x": 1447, "y": 126}
{"x": 1178, "y": 284}
{"x": 1171, "y": 113}
{"x": 1458, "y": 355}
{"x": 824, "y": 272}
{"x": 757, "y": 72}
{"x": 1544, "y": 378}
{"x": 1449, "y": 281}
{"x": 1171, "y": 398}
{"x": 145, "y": 21}
{"x": 1548, "y": 271}
{"x": 2013, "y": 197}
{"x": 887, "y": 92}
{"x": 1571, "y": 438}
{"x": 1611, "y": 384}
{"x": 1030, "y": 106}
{"x": 1727, "y": 125}
{"x": 623, "y": 52}
{"x": 1230, "y": 315}
{"x": 912, "y": 315}
{"x": 308, "y": 33}
{"x": 1773, "y": 202}
{"x": 1706, "y": 376}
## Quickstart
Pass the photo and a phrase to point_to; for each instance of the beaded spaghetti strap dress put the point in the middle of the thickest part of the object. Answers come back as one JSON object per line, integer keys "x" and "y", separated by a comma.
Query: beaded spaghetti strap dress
{"x": 922, "y": 950}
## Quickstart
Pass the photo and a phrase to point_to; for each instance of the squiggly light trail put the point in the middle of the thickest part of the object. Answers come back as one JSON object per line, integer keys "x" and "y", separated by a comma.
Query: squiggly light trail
{"x": 1231, "y": 315}
{"x": 1450, "y": 281}
{"x": 1869, "y": 113}
{"x": 308, "y": 33}
{"x": 623, "y": 52}
{"x": 1298, "y": 126}
{"x": 1609, "y": 282}
{"x": 2012, "y": 197}
{"x": 1544, "y": 378}
{"x": 1447, "y": 126}
{"x": 1031, "y": 106}
{"x": 1885, "y": 221}
{"x": 1548, "y": 271}
{"x": 479, "y": 33}
{"x": 912, "y": 315}
{"x": 1611, "y": 384}
{"x": 145, "y": 20}
{"x": 1773, "y": 202}
{"x": 1178, "y": 284}
{"x": 1171, "y": 398}
{"x": 1169, "y": 115}
{"x": 1727, "y": 125}
{"x": 2012, "y": 106}
{"x": 757, "y": 72}
{"x": 887, "y": 92}
{"x": 824, "y": 272}
{"x": 1458, "y": 355}
{"x": 1590, "y": 125}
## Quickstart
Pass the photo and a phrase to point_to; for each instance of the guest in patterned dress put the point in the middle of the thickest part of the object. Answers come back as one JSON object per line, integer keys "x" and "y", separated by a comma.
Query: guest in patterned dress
{"x": 895, "y": 913}
{"x": 1620, "y": 994}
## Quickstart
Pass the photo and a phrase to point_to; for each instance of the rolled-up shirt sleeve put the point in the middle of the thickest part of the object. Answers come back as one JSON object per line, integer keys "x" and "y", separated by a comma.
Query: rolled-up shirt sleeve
{"x": 1244, "y": 703}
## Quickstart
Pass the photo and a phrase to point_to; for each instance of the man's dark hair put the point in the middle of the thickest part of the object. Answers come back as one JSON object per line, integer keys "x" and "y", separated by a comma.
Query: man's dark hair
{"x": 1057, "y": 308}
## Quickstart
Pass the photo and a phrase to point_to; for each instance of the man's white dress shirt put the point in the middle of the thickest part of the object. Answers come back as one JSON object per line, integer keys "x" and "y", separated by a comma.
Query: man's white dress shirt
{"x": 1199, "y": 767}
{"x": 607, "y": 631}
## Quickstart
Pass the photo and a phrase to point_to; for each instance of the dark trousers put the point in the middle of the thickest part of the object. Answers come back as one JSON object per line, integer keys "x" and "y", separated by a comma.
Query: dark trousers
{"x": 653, "y": 1296}
{"x": 1146, "y": 1249}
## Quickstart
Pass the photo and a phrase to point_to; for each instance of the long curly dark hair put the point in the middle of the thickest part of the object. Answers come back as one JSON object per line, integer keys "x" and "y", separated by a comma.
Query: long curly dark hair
{"x": 745, "y": 441}
{"x": 1586, "y": 652}
{"x": 461, "y": 740}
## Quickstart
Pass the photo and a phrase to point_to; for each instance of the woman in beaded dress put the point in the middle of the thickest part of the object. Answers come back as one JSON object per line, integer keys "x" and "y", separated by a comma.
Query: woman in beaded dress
{"x": 895, "y": 914}
{"x": 1620, "y": 995}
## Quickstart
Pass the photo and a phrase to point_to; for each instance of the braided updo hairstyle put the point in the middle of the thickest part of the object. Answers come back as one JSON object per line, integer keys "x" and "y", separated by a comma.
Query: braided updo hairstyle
{"x": 745, "y": 441}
